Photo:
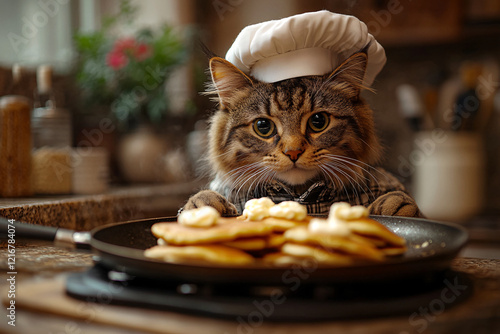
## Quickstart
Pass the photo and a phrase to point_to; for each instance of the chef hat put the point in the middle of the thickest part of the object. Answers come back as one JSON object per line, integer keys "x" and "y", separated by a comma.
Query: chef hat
{"x": 305, "y": 44}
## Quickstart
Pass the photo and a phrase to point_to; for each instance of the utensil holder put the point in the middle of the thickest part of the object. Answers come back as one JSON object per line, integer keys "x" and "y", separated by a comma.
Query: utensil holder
{"x": 449, "y": 174}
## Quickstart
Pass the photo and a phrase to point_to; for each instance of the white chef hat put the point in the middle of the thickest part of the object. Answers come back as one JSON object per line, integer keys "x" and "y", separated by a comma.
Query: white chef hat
{"x": 305, "y": 44}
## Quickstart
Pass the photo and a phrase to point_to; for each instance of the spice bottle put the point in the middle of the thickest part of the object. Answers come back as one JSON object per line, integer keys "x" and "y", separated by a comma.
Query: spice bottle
{"x": 51, "y": 124}
{"x": 51, "y": 127}
{"x": 15, "y": 141}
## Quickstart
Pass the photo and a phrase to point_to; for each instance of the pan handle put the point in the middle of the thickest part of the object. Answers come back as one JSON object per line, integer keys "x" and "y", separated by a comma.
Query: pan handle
{"x": 60, "y": 236}
{"x": 25, "y": 230}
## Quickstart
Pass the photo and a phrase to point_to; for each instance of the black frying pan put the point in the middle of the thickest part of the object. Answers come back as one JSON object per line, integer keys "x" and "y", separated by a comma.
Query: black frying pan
{"x": 431, "y": 247}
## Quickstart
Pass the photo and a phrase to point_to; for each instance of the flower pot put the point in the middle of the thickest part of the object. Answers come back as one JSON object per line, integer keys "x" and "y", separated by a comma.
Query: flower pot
{"x": 140, "y": 155}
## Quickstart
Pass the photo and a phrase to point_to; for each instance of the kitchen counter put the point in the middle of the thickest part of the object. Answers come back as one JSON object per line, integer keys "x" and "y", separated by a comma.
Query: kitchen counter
{"x": 84, "y": 212}
{"x": 41, "y": 270}
{"x": 42, "y": 306}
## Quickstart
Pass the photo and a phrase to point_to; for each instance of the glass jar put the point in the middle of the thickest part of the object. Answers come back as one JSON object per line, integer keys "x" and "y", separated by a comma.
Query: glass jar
{"x": 51, "y": 127}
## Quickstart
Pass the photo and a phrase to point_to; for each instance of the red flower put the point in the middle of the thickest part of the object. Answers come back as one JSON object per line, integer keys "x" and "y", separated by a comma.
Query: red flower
{"x": 116, "y": 60}
{"x": 124, "y": 48}
{"x": 124, "y": 45}
{"x": 142, "y": 51}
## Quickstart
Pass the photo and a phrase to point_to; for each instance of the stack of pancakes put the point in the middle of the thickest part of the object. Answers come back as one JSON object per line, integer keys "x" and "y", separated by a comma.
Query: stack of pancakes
{"x": 273, "y": 241}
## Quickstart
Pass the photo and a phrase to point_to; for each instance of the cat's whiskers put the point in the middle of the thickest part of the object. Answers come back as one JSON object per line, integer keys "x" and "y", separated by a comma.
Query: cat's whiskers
{"x": 345, "y": 168}
{"x": 353, "y": 159}
{"x": 262, "y": 185}
{"x": 246, "y": 178}
{"x": 263, "y": 176}
{"x": 256, "y": 177}
{"x": 374, "y": 151}
{"x": 241, "y": 174}
{"x": 359, "y": 164}
{"x": 222, "y": 155}
{"x": 339, "y": 169}
{"x": 358, "y": 177}
{"x": 354, "y": 162}
{"x": 234, "y": 176}
{"x": 333, "y": 170}
{"x": 328, "y": 173}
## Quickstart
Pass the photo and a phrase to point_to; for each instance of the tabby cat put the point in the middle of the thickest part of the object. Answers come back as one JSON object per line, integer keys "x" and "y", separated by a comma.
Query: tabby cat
{"x": 309, "y": 139}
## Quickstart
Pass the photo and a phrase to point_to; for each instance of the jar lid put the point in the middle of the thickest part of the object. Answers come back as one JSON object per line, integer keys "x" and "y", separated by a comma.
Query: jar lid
{"x": 45, "y": 112}
{"x": 9, "y": 99}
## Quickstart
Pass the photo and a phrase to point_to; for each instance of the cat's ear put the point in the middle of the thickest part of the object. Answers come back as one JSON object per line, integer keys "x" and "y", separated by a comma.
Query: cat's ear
{"x": 226, "y": 80}
{"x": 348, "y": 76}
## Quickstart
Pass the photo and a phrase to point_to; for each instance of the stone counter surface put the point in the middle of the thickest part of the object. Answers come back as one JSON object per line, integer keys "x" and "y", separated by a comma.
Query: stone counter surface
{"x": 84, "y": 212}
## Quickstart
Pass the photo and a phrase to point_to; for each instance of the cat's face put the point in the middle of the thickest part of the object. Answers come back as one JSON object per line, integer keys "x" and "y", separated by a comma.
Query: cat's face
{"x": 297, "y": 130}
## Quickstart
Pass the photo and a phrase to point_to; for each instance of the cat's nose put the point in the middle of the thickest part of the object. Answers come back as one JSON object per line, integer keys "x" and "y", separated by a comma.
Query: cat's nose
{"x": 294, "y": 154}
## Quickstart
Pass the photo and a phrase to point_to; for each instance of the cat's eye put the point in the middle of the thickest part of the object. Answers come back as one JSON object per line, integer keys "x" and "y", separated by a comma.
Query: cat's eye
{"x": 318, "y": 122}
{"x": 264, "y": 127}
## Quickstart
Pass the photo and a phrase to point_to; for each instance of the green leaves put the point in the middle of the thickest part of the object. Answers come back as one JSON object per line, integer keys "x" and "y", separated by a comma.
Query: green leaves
{"x": 128, "y": 73}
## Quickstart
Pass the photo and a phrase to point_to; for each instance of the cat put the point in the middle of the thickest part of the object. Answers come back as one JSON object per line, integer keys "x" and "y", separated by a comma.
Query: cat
{"x": 309, "y": 139}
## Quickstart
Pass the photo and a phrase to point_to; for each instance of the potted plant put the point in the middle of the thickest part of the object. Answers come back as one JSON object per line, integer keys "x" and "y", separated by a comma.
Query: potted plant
{"x": 123, "y": 77}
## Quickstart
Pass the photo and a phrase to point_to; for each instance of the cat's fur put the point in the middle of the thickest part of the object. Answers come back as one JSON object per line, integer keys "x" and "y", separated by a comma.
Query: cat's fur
{"x": 297, "y": 157}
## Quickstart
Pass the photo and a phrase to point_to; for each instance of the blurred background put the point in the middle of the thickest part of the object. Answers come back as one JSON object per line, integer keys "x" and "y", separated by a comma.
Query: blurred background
{"x": 125, "y": 76}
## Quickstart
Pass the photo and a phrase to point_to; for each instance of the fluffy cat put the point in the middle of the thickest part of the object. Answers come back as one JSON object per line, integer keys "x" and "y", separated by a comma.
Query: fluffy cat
{"x": 309, "y": 139}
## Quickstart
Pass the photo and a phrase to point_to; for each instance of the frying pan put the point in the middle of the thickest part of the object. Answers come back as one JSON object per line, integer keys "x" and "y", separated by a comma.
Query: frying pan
{"x": 431, "y": 247}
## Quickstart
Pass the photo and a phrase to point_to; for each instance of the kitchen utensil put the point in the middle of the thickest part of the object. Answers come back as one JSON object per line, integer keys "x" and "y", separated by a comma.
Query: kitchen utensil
{"x": 411, "y": 106}
{"x": 450, "y": 178}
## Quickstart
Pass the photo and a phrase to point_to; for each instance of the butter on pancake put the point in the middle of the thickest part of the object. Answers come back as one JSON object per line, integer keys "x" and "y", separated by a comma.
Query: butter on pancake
{"x": 346, "y": 212}
{"x": 227, "y": 229}
{"x": 258, "y": 209}
{"x": 217, "y": 254}
{"x": 280, "y": 217}
{"x": 200, "y": 217}
{"x": 337, "y": 222}
{"x": 288, "y": 210}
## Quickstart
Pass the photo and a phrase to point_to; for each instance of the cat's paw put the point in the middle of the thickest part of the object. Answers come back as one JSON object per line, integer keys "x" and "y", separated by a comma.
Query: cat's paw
{"x": 395, "y": 203}
{"x": 213, "y": 199}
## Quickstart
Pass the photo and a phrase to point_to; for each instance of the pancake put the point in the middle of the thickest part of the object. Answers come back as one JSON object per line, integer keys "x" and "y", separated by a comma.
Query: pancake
{"x": 216, "y": 254}
{"x": 227, "y": 229}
